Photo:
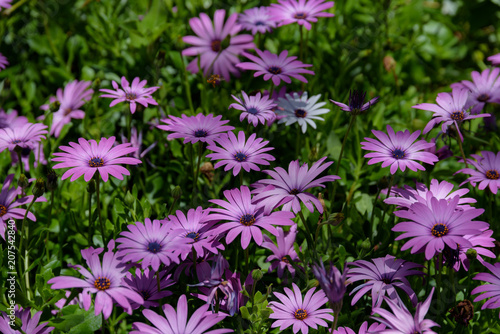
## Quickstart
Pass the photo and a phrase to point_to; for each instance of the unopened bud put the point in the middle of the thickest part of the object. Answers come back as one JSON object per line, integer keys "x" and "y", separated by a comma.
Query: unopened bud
{"x": 176, "y": 193}
{"x": 207, "y": 169}
{"x": 257, "y": 275}
{"x": 335, "y": 218}
{"x": 389, "y": 64}
{"x": 23, "y": 181}
{"x": 129, "y": 198}
{"x": 91, "y": 186}
{"x": 55, "y": 106}
{"x": 96, "y": 84}
{"x": 39, "y": 188}
{"x": 366, "y": 244}
{"x": 471, "y": 254}
{"x": 51, "y": 180}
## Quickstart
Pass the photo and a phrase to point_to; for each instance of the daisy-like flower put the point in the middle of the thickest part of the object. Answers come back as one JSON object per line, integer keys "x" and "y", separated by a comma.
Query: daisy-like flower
{"x": 11, "y": 120}
{"x": 237, "y": 153}
{"x": 5, "y": 4}
{"x": 88, "y": 156}
{"x": 146, "y": 284}
{"x": 437, "y": 224}
{"x": 216, "y": 44}
{"x": 301, "y": 313}
{"x": 136, "y": 141}
{"x": 332, "y": 282}
{"x": 364, "y": 329}
{"x": 357, "y": 103}
{"x": 282, "y": 250}
{"x": 29, "y": 324}
{"x": 382, "y": 276}
{"x": 400, "y": 320}
{"x": 487, "y": 172}
{"x": 23, "y": 136}
{"x": 132, "y": 94}
{"x": 3, "y": 60}
{"x": 450, "y": 109}
{"x": 177, "y": 322}
{"x": 495, "y": 59}
{"x": 105, "y": 280}
{"x": 195, "y": 128}
{"x": 276, "y": 67}
{"x": 398, "y": 150}
{"x": 246, "y": 218}
{"x": 72, "y": 98}
{"x": 257, "y": 19}
{"x": 491, "y": 290}
{"x": 256, "y": 108}
{"x": 302, "y": 11}
{"x": 480, "y": 243}
{"x": 301, "y": 109}
{"x": 289, "y": 188}
{"x": 150, "y": 242}
{"x": 484, "y": 88}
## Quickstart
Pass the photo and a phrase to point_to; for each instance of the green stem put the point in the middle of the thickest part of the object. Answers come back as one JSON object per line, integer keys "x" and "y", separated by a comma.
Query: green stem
{"x": 388, "y": 194}
{"x": 335, "y": 320}
{"x": 172, "y": 207}
{"x": 438, "y": 285}
{"x": 462, "y": 150}
{"x": 129, "y": 127}
{"x": 24, "y": 240}
{"x": 246, "y": 259}
{"x": 308, "y": 235}
{"x": 49, "y": 220}
{"x": 91, "y": 225}
{"x": 98, "y": 190}
{"x": 301, "y": 44}
{"x": 297, "y": 144}
{"x": 187, "y": 87}
{"x": 20, "y": 160}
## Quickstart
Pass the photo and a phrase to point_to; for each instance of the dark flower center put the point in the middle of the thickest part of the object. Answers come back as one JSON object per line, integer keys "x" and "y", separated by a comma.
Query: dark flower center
{"x": 294, "y": 191}
{"x": 102, "y": 283}
{"x": 386, "y": 278}
{"x": 356, "y": 100}
{"x": 252, "y": 110}
{"x": 26, "y": 151}
{"x": 274, "y": 70}
{"x": 301, "y": 113}
{"x": 285, "y": 259}
{"x": 483, "y": 97}
{"x": 67, "y": 111}
{"x": 216, "y": 45}
{"x": 259, "y": 23}
{"x": 96, "y": 162}
{"x": 130, "y": 96}
{"x": 492, "y": 174}
{"x": 240, "y": 157}
{"x": 193, "y": 235}
{"x": 458, "y": 116}
{"x": 145, "y": 294}
{"x": 398, "y": 154}
{"x": 17, "y": 141}
{"x": 300, "y": 16}
{"x": 439, "y": 230}
{"x": 300, "y": 314}
{"x": 200, "y": 133}
{"x": 154, "y": 247}
{"x": 247, "y": 220}
{"x": 3, "y": 210}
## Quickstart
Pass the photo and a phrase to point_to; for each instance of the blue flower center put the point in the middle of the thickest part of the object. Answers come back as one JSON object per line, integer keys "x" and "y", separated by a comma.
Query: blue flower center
{"x": 102, "y": 283}
{"x": 17, "y": 141}
{"x": 130, "y": 96}
{"x": 259, "y": 23}
{"x": 216, "y": 45}
{"x": 492, "y": 174}
{"x": 439, "y": 230}
{"x": 240, "y": 157}
{"x": 294, "y": 191}
{"x": 193, "y": 235}
{"x": 457, "y": 116}
{"x": 300, "y": 113}
{"x": 483, "y": 97}
{"x": 398, "y": 154}
{"x": 300, "y": 314}
{"x": 96, "y": 162}
{"x": 274, "y": 70}
{"x": 200, "y": 133}
{"x": 247, "y": 220}
{"x": 300, "y": 15}
{"x": 154, "y": 247}
{"x": 252, "y": 110}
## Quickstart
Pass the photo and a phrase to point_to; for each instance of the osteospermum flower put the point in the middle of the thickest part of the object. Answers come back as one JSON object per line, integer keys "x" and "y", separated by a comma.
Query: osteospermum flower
{"x": 282, "y": 250}
{"x": 400, "y": 320}
{"x": 437, "y": 224}
{"x": 301, "y": 313}
{"x": 487, "y": 172}
{"x": 450, "y": 109}
{"x": 29, "y": 324}
{"x": 132, "y": 94}
{"x": 256, "y": 108}
{"x": 332, "y": 282}
{"x": 23, "y": 136}
{"x": 480, "y": 244}
{"x": 491, "y": 290}
{"x": 356, "y": 103}
{"x": 289, "y": 188}
{"x": 257, "y": 19}
{"x": 216, "y": 44}
{"x": 11, "y": 120}
{"x": 276, "y": 67}
{"x": 364, "y": 329}
{"x": 195, "y": 128}
{"x": 146, "y": 284}
{"x": 382, "y": 276}
{"x": 399, "y": 150}
{"x": 88, "y": 156}
{"x": 301, "y": 109}
{"x": 302, "y": 11}
{"x": 3, "y": 60}
{"x": 484, "y": 88}
{"x": 105, "y": 280}
{"x": 176, "y": 322}
{"x": 246, "y": 218}
{"x": 237, "y": 153}
{"x": 72, "y": 98}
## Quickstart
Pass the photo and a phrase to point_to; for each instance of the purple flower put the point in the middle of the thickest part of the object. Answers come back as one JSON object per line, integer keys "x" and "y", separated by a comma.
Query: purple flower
{"x": 332, "y": 282}
{"x": 301, "y": 313}
{"x": 289, "y": 188}
{"x": 364, "y": 329}
{"x": 492, "y": 290}
{"x": 23, "y": 136}
{"x": 487, "y": 171}
{"x": 25, "y": 156}
{"x": 87, "y": 157}
{"x": 146, "y": 284}
{"x": 28, "y": 324}
{"x": 150, "y": 242}
{"x": 400, "y": 320}
{"x": 495, "y": 59}
{"x": 302, "y": 11}
{"x": 276, "y": 67}
{"x": 301, "y": 109}
{"x": 256, "y": 108}
{"x": 479, "y": 243}
{"x": 485, "y": 88}
{"x": 246, "y": 218}
{"x": 5, "y": 4}
{"x": 216, "y": 44}
{"x": 11, "y": 120}
{"x": 132, "y": 94}
{"x": 280, "y": 251}
{"x": 357, "y": 103}
{"x": 450, "y": 109}
{"x": 136, "y": 141}
{"x": 439, "y": 223}
{"x": 398, "y": 150}
{"x": 3, "y": 60}
{"x": 237, "y": 153}
{"x": 257, "y": 19}
{"x": 105, "y": 280}
{"x": 187, "y": 265}
{"x": 195, "y": 128}
{"x": 177, "y": 323}
{"x": 382, "y": 276}
{"x": 215, "y": 274}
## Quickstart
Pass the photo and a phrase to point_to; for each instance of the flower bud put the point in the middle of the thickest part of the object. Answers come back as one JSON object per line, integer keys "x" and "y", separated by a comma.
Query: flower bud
{"x": 366, "y": 244}
{"x": 23, "y": 181}
{"x": 51, "y": 180}
{"x": 176, "y": 193}
{"x": 96, "y": 84}
{"x": 471, "y": 254}
{"x": 55, "y": 106}
{"x": 39, "y": 188}
{"x": 257, "y": 275}
{"x": 335, "y": 218}
{"x": 129, "y": 199}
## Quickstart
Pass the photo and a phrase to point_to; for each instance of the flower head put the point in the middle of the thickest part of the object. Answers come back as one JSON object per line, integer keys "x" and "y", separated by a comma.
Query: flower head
{"x": 256, "y": 108}
{"x": 398, "y": 150}
{"x": 276, "y": 67}
{"x": 216, "y": 44}
{"x": 282, "y": 250}
{"x": 26, "y": 154}
{"x": 257, "y": 19}
{"x": 237, "y": 153}
{"x": 484, "y": 88}
{"x": 146, "y": 284}
{"x": 3, "y": 60}
{"x": 29, "y": 324}
{"x": 480, "y": 244}
{"x": 11, "y": 120}
{"x": 302, "y": 11}
{"x": 487, "y": 172}
{"x": 332, "y": 282}
{"x": 357, "y": 103}
{"x": 492, "y": 290}
{"x": 195, "y": 128}
{"x": 23, "y": 136}
{"x": 301, "y": 109}
{"x": 88, "y": 156}
{"x": 132, "y": 94}
{"x": 300, "y": 312}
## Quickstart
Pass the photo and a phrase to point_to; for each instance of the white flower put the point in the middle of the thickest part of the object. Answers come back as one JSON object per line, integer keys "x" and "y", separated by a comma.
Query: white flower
{"x": 301, "y": 109}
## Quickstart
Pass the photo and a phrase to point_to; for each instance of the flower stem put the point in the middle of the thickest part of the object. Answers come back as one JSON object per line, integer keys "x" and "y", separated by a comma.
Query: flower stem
{"x": 246, "y": 259}
{"x": 335, "y": 319}
{"x": 49, "y": 220}
{"x": 301, "y": 43}
{"x": 388, "y": 194}
{"x": 308, "y": 235}
{"x": 438, "y": 285}
{"x": 462, "y": 151}
{"x": 351, "y": 124}
{"x": 98, "y": 190}
{"x": 20, "y": 161}
{"x": 91, "y": 226}
{"x": 24, "y": 240}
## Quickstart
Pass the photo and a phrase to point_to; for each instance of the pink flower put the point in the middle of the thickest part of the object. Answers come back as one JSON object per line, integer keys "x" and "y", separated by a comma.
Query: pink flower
{"x": 24, "y": 136}
{"x": 487, "y": 172}
{"x": 132, "y": 94}
{"x": 302, "y": 11}
{"x": 11, "y": 120}
{"x": 257, "y": 19}
{"x": 3, "y": 60}
{"x": 255, "y": 108}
